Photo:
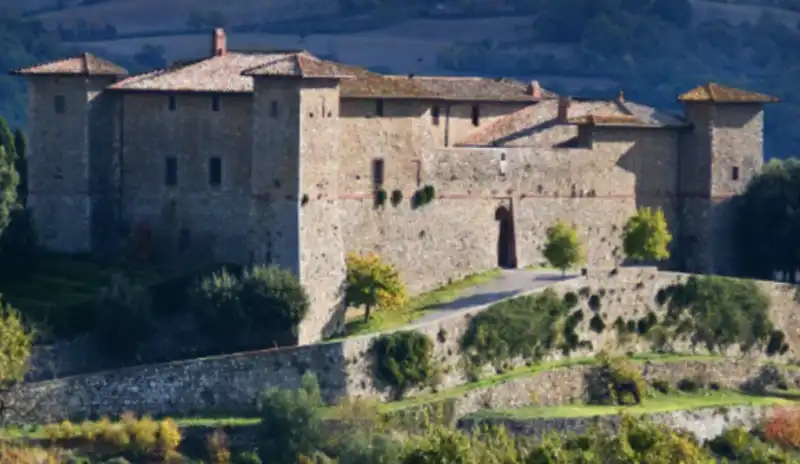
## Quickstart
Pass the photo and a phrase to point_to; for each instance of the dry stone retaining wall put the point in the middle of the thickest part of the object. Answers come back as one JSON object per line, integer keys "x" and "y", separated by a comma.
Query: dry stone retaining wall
{"x": 344, "y": 367}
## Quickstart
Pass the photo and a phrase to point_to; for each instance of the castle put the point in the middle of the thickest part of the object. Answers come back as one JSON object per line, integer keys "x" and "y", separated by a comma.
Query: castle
{"x": 285, "y": 158}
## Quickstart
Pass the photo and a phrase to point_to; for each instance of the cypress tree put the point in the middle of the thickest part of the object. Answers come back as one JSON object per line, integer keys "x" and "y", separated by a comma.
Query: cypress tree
{"x": 7, "y": 139}
{"x": 21, "y": 163}
{"x": 9, "y": 181}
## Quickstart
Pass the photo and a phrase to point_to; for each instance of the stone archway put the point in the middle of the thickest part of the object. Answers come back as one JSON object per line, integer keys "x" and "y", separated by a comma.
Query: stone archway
{"x": 506, "y": 242}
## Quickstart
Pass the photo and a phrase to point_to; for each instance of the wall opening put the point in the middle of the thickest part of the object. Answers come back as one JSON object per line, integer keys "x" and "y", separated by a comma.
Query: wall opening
{"x": 735, "y": 173}
{"x": 435, "y": 115}
{"x": 215, "y": 171}
{"x": 379, "y": 107}
{"x": 377, "y": 173}
{"x": 273, "y": 110}
{"x": 476, "y": 115}
{"x": 172, "y": 102}
{"x": 215, "y": 103}
{"x": 506, "y": 243}
{"x": 171, "y": 171}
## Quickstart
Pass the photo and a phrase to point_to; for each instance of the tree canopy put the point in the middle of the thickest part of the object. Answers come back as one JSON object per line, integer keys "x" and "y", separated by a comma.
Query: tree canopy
{"x": 646, "y": 235}
{"x": 563, "y": 249}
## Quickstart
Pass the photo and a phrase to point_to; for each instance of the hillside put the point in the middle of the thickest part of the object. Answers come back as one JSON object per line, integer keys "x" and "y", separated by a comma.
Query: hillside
{"x": 610, "y": 44}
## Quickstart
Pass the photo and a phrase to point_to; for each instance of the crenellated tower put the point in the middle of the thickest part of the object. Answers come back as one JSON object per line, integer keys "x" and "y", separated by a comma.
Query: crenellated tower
{"x": 295, "y": 214}
{"x": 72, "y": 163}
{"x": 721, "y": 152}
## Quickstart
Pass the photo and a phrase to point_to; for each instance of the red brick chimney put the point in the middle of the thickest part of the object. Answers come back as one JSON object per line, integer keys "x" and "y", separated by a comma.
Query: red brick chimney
{"x": 535, "y": 90}
{"x": 219, "y": 42}
{"x": 564, "y": 103}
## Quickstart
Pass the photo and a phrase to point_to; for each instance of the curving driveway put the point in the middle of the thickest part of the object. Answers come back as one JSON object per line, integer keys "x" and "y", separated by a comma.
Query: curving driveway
{"x": 512, "y": 282}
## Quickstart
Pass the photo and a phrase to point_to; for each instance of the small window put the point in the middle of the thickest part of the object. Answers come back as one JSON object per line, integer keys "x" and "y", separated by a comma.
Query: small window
{"x": 173, "y": 103}
{"x": 379, "y": 107}
{"x": 215, "y": 172}
{"x": 171, "y": 172}
{"x": 215, "y": 103}
{"x": 435, "y": 115}
{"x": 377, "y": 173}
{"x": 273, "y": 111}
{"x": 476, "y": 115}
{"x": 60, "y": 104}
{"x": 735, "y": 173}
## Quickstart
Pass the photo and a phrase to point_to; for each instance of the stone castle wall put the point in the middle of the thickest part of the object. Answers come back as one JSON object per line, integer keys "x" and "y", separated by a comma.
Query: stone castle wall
{"x": 233, "y": 382}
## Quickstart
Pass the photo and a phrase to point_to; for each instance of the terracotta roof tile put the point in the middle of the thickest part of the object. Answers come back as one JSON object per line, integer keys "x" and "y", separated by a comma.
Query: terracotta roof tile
{"x": 713, "y": 92}
{"x": 84, "y": 64}
{"x": 301, "y": 65}
{"x": 472, "y": 88}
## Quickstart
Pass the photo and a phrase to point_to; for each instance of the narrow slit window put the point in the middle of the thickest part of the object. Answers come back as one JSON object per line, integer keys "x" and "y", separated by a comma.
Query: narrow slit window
{"x": 735, "y": 173}
{"x": 60, "y": 104}
{"x": 173, "y": 103}
{"x": 171, "y": 172}
{"x": 379, "y": 107}
{"x": 215, "y": 103}
{"x": 215, "y": 172}
{"x": 476, "y": 115}
{"x": 273, "y": 110}
{"x": 435, "y": 115}
{"x": 377, "y": 173}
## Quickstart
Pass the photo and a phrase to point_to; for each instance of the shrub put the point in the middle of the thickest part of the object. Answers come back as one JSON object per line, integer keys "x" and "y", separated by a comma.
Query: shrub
{"x": 570, "y": 300}
{"x": 596, "y": 324}
{"x": 403, "y": 360}
{"x": 562, "y": 249}
{"x": 123, "y": 317}
{"x": 247, "y": 457}
{"x": 646, "y": 323}
{"x": 261, "y": 307}
{"x": 777, "y": 343}
{"x": 690, "y": 385}
{"x": 440, "y": 444}
{"x": 373, "y": 284}
{"x": 15, "y": 345}
{"x": 662, "y": 386}
{"x": 616, "y": 380}
{"x": 218, "y": 447}
{"x": 380, "y": 198}
{"x": 423, "y": 196}
{"x": 783, "y": 428}
{"x": 594, "y": 303}
{"x": 646, "y": 235}
{"x": 291, "y": 422}
{"x": 535, "y": 319}
{"x": 719, "y": 312}
{"x": 397, "y": 197}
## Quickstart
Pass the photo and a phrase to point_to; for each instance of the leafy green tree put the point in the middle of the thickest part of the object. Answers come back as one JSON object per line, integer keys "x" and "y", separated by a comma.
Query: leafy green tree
{"x": 291, "y": 422}
{"x": 646, "y": 235}
{"x": 124, "y": 317}
{"x": 15, "y": 345}
{"x": 403, "y": 360}
{"x": 7, "y": 139}
{"x": 563, "y": 249}
{"x": 371, "y": 283}
{"x": 8, "y": 189}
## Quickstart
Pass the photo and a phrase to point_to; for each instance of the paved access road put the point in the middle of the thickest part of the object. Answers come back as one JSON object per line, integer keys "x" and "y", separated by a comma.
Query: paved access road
{"x": 511, "y": 282}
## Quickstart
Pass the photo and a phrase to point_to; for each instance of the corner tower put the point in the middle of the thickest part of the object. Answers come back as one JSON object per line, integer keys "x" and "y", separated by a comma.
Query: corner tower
{"x": 295, "y": 215}
{"x": 72, "y": 164}
{"x": 719, "y": 155}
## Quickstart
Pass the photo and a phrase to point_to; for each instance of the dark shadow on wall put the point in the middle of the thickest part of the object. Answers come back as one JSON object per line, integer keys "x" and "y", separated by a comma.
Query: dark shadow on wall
{"x": 655, "y": 168}
{"x": 506, "y": 242}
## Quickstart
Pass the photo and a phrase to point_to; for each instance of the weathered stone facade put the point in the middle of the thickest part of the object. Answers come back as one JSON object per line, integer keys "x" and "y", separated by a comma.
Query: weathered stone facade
{"x": 277, "y": 157}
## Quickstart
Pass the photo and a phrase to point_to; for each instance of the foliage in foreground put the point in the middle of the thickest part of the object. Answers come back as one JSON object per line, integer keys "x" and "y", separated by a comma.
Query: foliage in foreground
{"x": 15, "y": 345}
{"x": 261, "y": 307}
{"x": 403, "y": 360}
{"x": 646, "y": 235}
{"x": 563, "y": 249}
{"x": 371, "y": 283}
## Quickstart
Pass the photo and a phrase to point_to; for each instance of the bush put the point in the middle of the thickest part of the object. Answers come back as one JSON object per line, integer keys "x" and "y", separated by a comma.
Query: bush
{"x": 247, "y": 457}
{"x": 535, "y": 319}
{"x": 262, "y": 307}
{"x": 123, "y": 317}
{"x": 291, "y": 422}
{"x": 662, "y": 386}
{"x": 782, "y": 427}
{"x": 646, "y": 235}
{"x": 562, "y": 249}
{"x": 690, "y": 385}
{"x": 397, "y": 197}
{"x": 403, "y": 360}
{"x": 440, "y": 444}
{"x": 218, "y": 447}
{"x": 718, "y": 312}
{"x": 616, "y": 380}
{"x": 139, "y": 439}
{"x": 596, "y": 324}
{"x": 15, "y": 345}
{"x": 373, "y": 284}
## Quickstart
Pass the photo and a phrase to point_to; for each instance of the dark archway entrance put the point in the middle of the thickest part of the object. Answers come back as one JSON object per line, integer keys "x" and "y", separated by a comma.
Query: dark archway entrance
{"x": 506, "y": 244}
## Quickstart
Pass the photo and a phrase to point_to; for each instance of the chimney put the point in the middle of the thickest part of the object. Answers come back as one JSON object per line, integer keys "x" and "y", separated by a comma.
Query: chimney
{"x": 219, "y": 43}
{"x": 535, "y": 90}
{"x": 564, "y": 103}
{"x": 621, "y": 96}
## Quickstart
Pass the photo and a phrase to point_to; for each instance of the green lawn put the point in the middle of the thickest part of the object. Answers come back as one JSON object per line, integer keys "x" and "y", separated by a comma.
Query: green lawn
{"x": 658, "y": 404}
{"x": 416, "y": 308}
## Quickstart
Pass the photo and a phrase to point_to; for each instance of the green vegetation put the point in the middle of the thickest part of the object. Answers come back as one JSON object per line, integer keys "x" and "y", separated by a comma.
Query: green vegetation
{"x": 258, "y": 307}
{"x": 418, "y": 305}
{"x": 616, "y": 381}
{"x": 423, "y": 196}
{"x": 541, "y": 322}
{"x": 646, "y": 236}
{"x": 9, "y": 180}
{"x": 770, "y": 198}
{"x": 371, "y": 283}
{"x": 562, "y": 248}
{"x": 403, "y": 360}
{"x": 124, "y": 317}
{"x": 15, "y": 346}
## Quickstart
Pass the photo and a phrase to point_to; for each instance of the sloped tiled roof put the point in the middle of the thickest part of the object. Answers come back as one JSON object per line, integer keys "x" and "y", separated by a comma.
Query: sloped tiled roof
{"x": 713, "y": 92}
{"x": 302, "y": 65}
{"x": 472, "y": 88}
{"x": 84, "y": 64}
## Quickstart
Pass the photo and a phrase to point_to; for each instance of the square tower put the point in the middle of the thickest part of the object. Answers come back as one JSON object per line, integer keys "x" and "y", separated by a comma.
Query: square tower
{"x": 72, "y": 173}
{"x": 721, "y": 153}
{"x": 295, "y": 214}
